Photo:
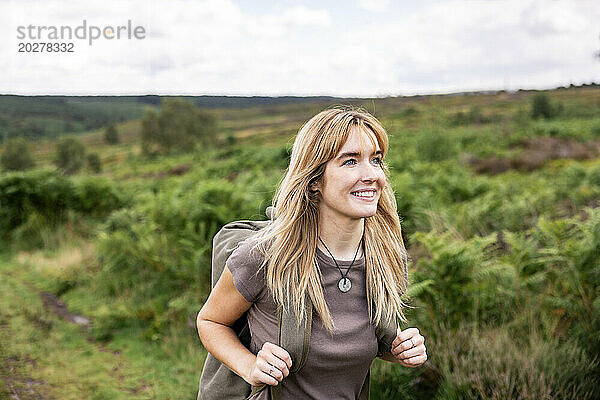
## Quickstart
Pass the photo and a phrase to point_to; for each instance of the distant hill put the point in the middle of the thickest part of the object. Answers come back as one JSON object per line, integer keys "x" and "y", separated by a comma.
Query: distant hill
{"x": 50, "y": 116}
{"x": 36, "y": 117}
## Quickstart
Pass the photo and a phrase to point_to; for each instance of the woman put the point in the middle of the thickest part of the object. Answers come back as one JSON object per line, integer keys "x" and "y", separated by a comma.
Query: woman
{"x": 336, "y": 235}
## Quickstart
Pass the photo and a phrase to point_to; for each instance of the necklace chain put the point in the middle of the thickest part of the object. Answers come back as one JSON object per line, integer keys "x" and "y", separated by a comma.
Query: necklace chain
{"x": 334, "y": 260}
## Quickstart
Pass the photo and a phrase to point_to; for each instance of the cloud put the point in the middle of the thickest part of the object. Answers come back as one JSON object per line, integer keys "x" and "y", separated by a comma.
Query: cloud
{"x": 470, "y": 45}
{"x": 218, "y": 47}
{"x": 376, "y": 6}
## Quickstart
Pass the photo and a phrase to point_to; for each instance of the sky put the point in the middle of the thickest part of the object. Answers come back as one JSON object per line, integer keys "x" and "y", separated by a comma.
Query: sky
{"x": 355, "y": 48}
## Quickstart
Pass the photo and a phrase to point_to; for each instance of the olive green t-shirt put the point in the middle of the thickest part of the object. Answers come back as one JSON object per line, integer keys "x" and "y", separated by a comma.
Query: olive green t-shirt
{"x": 337, "y": 365}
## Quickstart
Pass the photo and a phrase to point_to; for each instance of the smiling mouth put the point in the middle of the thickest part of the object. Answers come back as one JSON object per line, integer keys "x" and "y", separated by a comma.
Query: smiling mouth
{"x": 366, "y": 194}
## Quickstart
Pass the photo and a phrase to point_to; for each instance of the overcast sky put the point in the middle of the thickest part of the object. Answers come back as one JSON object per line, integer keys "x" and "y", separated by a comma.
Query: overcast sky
{"x": 293, "y": 47}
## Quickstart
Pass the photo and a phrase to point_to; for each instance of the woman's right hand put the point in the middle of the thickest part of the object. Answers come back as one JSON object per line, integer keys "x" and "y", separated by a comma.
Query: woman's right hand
{"x": 272, "y": 364}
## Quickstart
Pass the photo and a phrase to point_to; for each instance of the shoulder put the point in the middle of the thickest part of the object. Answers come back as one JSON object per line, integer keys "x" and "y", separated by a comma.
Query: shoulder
{"x": 246, "y": 254}
{"x": 246, "y": 267}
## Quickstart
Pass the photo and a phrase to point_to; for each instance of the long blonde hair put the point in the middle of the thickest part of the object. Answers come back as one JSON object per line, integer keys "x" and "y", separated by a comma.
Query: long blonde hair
{"x": 289, "y": 242}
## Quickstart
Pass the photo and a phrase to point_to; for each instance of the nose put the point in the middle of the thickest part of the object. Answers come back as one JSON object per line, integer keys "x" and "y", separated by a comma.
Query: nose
{"x": 369, "y": 173}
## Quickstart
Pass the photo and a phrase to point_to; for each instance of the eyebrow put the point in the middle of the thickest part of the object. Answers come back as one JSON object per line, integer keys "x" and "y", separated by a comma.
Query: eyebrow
{"x": 355, "y": 154}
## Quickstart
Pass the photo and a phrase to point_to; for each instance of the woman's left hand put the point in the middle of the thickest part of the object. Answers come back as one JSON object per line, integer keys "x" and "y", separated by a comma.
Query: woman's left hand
{"x": 409, "y": 347}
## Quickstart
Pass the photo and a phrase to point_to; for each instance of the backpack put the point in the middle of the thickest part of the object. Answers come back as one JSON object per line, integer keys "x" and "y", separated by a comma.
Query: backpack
{"x": 217, "y": 381}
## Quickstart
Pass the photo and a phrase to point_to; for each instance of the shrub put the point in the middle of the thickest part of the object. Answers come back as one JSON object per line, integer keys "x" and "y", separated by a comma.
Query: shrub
{"x": 179, "y": 125}
{"x": 16, "y": 155}
{"x": 97, "y": 196}
{"x": 249, "y": 158}
{"x": 464, "y": 278}
{"x": 70, "y": 155}
{"x": 111, "y": 136}
{"x": 573, "y": 270}
{"x": 94, "y": 163}
{"x": 541, "y": 107}
{"x": 156, "y": 257}
{"x": 150, "y": 133}
{"x": 594, "y": 175}
{"x": 44, "y": 198}
{"x": 23, "y": 194}
{"x": 474, "y": 116}
{"x": 410, "y": 112}
{"x": 452, "y": 185}
{"x": 497, "y": 365}
{"x": 433, "y": 145}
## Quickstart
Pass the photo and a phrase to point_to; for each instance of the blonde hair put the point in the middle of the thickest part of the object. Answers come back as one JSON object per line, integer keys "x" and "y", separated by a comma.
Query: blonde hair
{"x": 289, "y": 242}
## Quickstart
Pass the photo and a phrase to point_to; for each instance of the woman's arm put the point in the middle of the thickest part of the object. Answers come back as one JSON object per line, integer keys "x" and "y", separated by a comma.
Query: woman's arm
{"x": 222, "y": 308}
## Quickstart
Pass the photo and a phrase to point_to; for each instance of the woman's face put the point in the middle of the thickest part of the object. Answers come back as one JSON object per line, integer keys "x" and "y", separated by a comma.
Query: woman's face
{"x": 353, "y": 179}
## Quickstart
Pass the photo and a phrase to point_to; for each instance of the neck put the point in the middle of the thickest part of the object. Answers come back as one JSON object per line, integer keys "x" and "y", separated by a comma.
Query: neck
{"x": 341, "y": 237}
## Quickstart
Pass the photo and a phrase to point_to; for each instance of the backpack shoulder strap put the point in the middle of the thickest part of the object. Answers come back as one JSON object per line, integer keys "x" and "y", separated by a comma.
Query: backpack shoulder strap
{"x": 227, "y": 240}
{"x": 295, "y": 339}
{"x": 386, "y": 333}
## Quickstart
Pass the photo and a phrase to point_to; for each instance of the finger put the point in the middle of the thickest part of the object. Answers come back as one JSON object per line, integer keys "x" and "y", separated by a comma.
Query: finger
{"x": 415, "y": 351}
{"x": 264, "y": 377}
{"x": 264, "y": 367}
{"x": 408, "y": 333}
{"x": 408, "y": 344}
{"x": 275, "y": 362}
{"x": 280, "y": 352}
{"x": 402, "y": 336}
{"x": 414, "y": 361}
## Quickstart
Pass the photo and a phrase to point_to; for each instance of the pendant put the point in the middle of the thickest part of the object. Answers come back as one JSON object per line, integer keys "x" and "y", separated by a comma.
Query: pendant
{"x": 344, "y": 284}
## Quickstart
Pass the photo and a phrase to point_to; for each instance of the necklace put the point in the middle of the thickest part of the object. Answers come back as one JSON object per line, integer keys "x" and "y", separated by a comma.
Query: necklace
{"x": 344, "y": 284}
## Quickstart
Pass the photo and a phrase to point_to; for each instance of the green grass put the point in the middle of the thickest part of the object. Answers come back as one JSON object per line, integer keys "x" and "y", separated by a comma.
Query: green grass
{"x": 66, "y": 364}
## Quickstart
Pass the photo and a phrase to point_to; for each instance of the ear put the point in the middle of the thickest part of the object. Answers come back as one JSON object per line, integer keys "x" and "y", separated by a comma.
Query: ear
{"x": 315, "y": 187}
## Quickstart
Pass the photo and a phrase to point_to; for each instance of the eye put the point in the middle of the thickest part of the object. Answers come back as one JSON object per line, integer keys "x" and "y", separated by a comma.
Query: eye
{"x": 378, "y": 160}
{"x": 350, "y": 160}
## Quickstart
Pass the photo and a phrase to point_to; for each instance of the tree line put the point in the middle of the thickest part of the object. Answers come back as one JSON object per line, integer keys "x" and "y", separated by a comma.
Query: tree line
{"x": 177, "y": 126}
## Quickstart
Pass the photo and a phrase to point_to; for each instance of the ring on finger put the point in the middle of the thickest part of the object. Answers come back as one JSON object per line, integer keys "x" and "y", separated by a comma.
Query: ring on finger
{"x": 412, "y": 343}
{"x": 272, "y": 369}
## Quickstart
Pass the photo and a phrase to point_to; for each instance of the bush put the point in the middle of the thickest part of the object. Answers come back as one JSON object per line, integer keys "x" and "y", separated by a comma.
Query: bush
{"x": 497, "y": 365}
{"x": 474, "y": 116}
{"x": 410, "y": 112}
{"x": 434, "y": 145}
{"x": 573, "y": 270}
{"x": 23, "y": 194}
{"x": 97, "y": 196}
{"x": 594, "y": 175}
{"x": 70, "y": 155}
{"x": 111, "y": 136}
{"x": 179, "y": 125}
{"x": 156, "y": 257}
{"x": 16, "y": 155}
{"x": 541, "y": 107}
{"x": 466, "y": 285}
{"x": 249, "y": 158}
{"x": 44, "y": 198}
{"x": 94, "y": 163}
{"x": 150, "y": 133}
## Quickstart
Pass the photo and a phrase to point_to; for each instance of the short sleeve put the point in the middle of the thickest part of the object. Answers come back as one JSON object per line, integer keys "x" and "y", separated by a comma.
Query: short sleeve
{"x": 245, "y": 266}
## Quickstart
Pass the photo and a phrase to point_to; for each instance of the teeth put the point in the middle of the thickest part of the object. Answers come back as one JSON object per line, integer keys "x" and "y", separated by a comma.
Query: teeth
{"x": 364, "y": 194}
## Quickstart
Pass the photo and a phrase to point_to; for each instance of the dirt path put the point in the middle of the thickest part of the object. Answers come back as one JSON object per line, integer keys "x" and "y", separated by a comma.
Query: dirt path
{"x": 47, "y": 353}
{"x": 53, "y": 304}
